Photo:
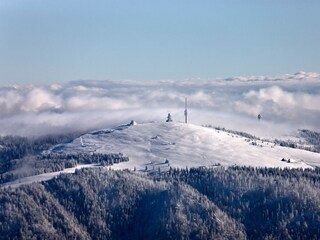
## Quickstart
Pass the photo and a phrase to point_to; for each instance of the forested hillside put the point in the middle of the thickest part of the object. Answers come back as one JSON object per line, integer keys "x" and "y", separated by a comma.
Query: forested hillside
{"x": 272, "y": 203}
{"x": 219, "y": 203}
{"x": 102, "y": 204}
{"x": 312, "y": 138}
{"x": 17, "y": 147}
{"x": 21, "y": 157}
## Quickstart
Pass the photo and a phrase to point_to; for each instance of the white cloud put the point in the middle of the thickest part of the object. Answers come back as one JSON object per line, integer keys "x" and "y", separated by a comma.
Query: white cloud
{"x": 40, "y": 100}
{"x": 55, "y": 86}
{"x": 289, "y": 100}
{"x": 87, "y": 103}
{"x": 201, "y": 99}
{"x": 279, "y": 104}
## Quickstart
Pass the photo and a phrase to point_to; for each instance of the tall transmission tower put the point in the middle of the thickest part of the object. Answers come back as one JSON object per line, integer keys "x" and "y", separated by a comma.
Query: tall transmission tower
{"x": 186, "y": 110}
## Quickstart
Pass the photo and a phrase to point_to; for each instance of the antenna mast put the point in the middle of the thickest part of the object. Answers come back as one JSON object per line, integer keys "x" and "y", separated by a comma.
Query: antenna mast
{"x": 186, "y": 111}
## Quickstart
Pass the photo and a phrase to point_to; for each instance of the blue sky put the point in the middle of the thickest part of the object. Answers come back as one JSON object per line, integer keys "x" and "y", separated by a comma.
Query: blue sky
{"x": 44, "y": 41}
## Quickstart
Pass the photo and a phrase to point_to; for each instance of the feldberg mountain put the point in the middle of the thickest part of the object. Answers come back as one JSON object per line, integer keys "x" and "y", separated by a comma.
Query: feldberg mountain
{"x": 163, "y": 181}
{"x": 156, "y": 146}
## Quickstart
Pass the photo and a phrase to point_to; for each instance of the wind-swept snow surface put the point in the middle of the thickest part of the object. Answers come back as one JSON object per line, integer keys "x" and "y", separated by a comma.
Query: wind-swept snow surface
{"x": 149, "y": 145}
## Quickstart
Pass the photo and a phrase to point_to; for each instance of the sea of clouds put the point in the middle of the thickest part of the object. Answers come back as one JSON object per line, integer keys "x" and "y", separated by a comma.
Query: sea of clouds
{"x": 286, "y": 104}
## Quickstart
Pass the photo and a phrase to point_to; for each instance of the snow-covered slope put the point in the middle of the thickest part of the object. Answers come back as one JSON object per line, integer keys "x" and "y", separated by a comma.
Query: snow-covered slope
{"x": 44, "y": 176}
{"x": 149, "y": 145}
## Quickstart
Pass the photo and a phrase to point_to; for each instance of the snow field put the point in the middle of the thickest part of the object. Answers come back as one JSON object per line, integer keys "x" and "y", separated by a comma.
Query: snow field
{"x": 187, "y": 145}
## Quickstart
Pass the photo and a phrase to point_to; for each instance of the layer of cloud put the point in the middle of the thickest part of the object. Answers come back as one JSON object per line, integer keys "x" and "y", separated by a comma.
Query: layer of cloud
{"x": 280, "y": 105}
{"x": 289, "y": 101}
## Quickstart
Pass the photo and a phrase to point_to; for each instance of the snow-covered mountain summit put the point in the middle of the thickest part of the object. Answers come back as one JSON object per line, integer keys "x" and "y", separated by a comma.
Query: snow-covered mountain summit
{"x": 156, "y": 146}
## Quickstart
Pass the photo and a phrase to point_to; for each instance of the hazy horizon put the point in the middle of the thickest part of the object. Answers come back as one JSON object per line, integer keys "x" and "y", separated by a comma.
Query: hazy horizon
{"x": 59, "y": 41}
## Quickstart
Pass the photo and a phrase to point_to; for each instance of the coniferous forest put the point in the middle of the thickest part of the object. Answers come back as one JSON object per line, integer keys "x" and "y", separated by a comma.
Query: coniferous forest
{"x": 216, "y": 203}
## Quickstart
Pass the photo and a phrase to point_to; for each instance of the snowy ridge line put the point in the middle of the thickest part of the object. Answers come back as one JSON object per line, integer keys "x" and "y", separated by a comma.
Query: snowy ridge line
{"x": 186, "y": 145}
